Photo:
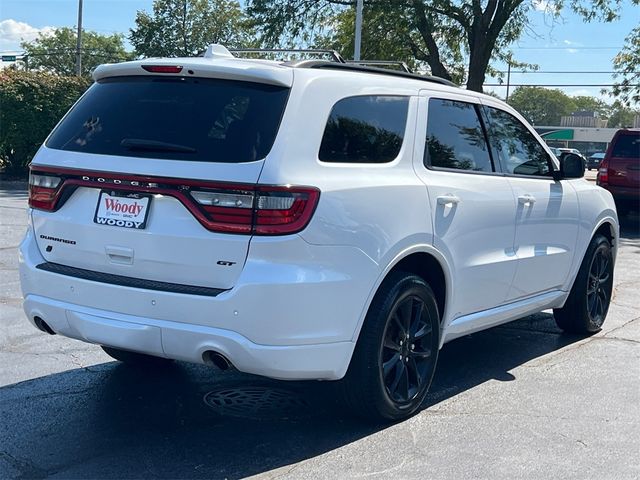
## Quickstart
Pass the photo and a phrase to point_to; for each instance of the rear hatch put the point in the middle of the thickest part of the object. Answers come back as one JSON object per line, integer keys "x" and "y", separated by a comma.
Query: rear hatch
{"x": 624, "y": 159}
{"x": 154, "y": 177}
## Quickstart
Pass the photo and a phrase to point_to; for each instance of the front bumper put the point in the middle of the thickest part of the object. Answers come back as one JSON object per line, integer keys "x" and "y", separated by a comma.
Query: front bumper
{"x": 291, "y": 319}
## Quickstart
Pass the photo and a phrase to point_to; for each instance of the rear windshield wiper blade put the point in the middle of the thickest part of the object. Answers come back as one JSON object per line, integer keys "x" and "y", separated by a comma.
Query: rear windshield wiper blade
{"x": 155, "y": 146}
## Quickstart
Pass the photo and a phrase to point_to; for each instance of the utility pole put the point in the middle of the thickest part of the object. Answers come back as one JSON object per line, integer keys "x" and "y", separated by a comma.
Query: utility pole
{"x": 356, "y": 48}
{"x": 79, "y": 41}
{"x": 508, "y": 80}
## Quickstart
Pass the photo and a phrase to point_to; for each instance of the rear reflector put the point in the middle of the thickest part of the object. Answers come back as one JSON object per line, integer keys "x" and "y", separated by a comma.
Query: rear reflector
{"x": 229, "y": 208}
{"x": 162, "y": 68}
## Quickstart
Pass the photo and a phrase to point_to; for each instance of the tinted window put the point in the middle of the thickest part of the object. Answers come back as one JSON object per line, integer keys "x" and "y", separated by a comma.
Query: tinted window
{"x": 455, "y": 137}
{"x": 366, "y": 129}
{"x": 519, "y": 151}
{"x": 174, "y": 118}
{"x": 627, "y": 146}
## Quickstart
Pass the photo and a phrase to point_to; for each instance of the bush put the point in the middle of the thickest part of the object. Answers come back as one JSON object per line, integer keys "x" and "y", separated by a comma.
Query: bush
{"x": 31, "y": 104}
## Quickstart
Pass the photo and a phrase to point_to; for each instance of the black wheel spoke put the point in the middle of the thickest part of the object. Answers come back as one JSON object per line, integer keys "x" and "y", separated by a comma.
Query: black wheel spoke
{"x": 390, "y": 364}
{"x": 404, "y": 384}
{"x": 406, "y": 312}
{"x": 391, "y": 344}
{"x": 416, "y": 314}
{"x": 399, "y": 324}
{"x": 416, "y": 372}
{"x": 604, "y": 278}
{"x": 398, "y": 372}
{"x": 592, "y": 300}
{"x": 422, "y": 328}
{"x": 599, "y": 307}
{"x": 421, "y": 353}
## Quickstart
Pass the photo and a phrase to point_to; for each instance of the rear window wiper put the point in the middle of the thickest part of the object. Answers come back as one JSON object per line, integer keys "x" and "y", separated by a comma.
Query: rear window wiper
{"x": 155, "y": 146}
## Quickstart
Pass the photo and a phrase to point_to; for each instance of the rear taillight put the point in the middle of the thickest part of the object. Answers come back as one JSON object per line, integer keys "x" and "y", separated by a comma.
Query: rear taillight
{"x": 603, "y": 172}
{"x": 43, "y": 190}
{"x": 219, "y": 207}
{"x": 261, "y": 211}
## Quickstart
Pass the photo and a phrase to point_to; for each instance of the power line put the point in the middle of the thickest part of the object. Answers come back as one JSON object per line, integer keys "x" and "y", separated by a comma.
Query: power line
{"x": 558, "y": 72}
{"x": 555, "y": 85}
{"x": 568, "y": 47}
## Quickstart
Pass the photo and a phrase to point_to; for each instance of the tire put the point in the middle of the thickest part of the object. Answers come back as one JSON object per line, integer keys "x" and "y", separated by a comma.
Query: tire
{"x": 134, "y": 358}
{"x": 588, "y": 303}
{"x": 403, "y": 302}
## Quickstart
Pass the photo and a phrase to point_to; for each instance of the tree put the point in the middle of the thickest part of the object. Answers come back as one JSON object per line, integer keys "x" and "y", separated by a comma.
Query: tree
{"x": 56, "y": 52}
{"x": 32, "y": 104}
{"x": 541, "y": 106}
{"x": 622, "y": 116}
{"x": 449, "y": 35}
{"x": 184, "y": 28}
{"x": 627, "y": 66}
{"x": 592, "y": 104}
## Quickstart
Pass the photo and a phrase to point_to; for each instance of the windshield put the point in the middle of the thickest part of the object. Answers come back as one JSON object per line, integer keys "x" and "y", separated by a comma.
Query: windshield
{"x": 175, "y": 118}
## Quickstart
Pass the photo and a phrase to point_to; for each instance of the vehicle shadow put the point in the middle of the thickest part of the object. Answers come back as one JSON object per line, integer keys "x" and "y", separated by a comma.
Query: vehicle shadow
{"x": 115, "y": 421}
{"x": 630, "y": 229}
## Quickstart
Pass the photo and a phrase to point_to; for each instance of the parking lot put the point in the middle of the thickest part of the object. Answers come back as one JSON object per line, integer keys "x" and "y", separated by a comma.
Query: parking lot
{"x": 517, "y": 401}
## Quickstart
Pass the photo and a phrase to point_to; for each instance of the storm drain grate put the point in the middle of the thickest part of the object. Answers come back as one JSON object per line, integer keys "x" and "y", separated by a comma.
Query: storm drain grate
{"x": 258, "y": 403}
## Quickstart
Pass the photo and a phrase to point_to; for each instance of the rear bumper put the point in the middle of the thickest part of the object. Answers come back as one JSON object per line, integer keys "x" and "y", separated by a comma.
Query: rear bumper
{"x": 190, "y": 342}
{"x": 291, "y": 319}
{"x": 627, "y": 194}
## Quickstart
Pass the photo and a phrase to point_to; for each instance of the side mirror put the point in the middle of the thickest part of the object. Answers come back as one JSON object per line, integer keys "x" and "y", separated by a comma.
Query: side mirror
{"x": 571, "y": 166}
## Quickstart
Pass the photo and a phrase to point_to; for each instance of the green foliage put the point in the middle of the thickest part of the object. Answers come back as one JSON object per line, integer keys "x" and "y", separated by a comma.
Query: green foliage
{"x": 184, "y": 28}
{"x": 542, "y": 106}
{"x": 592, "y": 104}
{"x": 31, "y": 103}
{"x": 622, "y": 116}
{"x": 627, "y": 66}
{"x": 56, "y": 52}
{"x": 455, "y": 38}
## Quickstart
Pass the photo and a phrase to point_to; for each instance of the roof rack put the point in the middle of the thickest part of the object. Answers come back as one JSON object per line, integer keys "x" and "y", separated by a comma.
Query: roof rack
{"x": 336, "y": 57}
{"x": 383, "y": 63}
{"x": 323, "y": 64}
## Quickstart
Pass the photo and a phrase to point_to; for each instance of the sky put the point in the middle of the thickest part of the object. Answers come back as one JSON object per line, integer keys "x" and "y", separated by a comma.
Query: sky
{"x": 566, "y": 44}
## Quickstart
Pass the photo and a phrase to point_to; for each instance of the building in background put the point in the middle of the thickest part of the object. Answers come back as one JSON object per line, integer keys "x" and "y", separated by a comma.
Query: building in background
{"x": 583, "y": 118}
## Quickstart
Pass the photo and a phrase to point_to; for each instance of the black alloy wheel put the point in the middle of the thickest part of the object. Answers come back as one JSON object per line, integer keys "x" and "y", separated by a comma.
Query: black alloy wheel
{"x": 586, "y": 307}
{"x": 407, "y": 350}
{"x": 599, "y": 287}
{"x": 397, "y": 350}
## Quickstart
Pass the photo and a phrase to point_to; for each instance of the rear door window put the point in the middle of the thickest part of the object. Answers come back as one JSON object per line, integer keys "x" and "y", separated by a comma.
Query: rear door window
{"x": 627, "y": 146}
{"x": 456, "y": 137}
{"x": 365, "y": 129}
{"x": 174, "y": 118}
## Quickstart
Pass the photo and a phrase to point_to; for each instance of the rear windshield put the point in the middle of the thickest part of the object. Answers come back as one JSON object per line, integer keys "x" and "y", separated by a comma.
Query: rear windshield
{"x": 627, "y": 146}
{"x": 174, "y": 118}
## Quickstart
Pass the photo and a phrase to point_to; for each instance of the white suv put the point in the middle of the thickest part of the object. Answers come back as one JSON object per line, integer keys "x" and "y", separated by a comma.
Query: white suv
{"x": 305, "y": 220}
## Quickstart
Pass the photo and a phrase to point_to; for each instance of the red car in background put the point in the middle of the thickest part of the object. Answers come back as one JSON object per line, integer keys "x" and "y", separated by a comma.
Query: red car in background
{"x": 619, "y": 171}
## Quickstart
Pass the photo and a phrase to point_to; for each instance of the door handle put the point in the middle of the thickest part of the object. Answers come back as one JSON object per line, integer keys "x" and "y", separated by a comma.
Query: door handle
{"x": 448, "y": 199}
{"x": 526, "y": 200}
{"x": 119, "y": 255}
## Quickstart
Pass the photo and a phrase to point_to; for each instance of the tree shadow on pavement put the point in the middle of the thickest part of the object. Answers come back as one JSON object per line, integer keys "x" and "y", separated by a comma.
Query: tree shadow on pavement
{"x": 115, "y": 421}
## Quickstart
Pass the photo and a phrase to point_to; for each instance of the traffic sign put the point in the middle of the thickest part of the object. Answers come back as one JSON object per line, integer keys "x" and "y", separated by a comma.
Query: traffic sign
{"x": 8, "y": 58}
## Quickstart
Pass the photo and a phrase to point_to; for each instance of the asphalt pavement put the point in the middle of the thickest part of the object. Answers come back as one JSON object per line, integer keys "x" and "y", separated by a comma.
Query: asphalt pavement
{"x": 518, "y": 401}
